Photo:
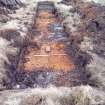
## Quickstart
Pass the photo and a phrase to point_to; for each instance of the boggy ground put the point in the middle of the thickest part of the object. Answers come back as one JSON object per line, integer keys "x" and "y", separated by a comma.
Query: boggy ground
{"x": 89, "y": 40}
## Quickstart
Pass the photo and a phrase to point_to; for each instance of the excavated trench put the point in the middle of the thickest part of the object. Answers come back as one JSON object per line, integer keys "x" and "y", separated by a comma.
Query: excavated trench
{"x": 50, "y": 57}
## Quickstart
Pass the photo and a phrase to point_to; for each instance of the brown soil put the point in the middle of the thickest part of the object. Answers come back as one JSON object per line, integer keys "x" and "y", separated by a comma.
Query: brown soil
{"x": 49, "y": 55}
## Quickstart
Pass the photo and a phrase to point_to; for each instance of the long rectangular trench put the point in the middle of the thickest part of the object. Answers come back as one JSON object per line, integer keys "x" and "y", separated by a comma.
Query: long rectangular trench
{"x": 49, "y": 58}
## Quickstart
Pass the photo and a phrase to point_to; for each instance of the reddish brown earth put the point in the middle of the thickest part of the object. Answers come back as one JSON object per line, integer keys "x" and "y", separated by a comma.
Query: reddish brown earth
{"x": 50, "y": 55}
